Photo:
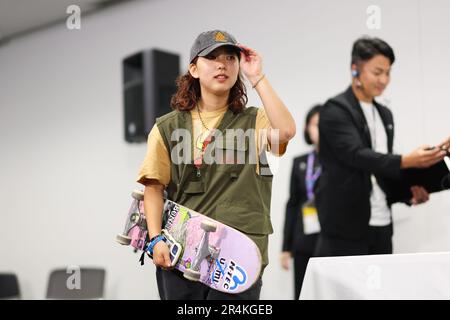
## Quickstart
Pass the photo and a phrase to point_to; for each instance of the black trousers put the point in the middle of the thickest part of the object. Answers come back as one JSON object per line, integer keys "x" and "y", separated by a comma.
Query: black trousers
{"x": 379, "y": 241}
{"x": 173, "y": 286}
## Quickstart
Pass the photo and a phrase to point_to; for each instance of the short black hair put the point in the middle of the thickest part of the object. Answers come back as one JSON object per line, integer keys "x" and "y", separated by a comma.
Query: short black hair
{"x": 365, "y": 48}
{"x": 312, "y": 112}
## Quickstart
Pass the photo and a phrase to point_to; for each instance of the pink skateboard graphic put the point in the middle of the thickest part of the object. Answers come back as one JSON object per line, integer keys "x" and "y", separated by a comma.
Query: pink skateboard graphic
{"x": 203, "y": 249}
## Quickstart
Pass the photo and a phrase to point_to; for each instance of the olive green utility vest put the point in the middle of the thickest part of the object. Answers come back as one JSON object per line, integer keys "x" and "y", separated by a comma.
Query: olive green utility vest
{"x": 232, "y": 193}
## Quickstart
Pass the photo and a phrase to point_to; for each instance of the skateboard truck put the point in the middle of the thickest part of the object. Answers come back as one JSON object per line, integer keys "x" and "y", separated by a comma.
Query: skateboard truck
{"x": 136, "y": 218}
{"x": 204, "y": 251}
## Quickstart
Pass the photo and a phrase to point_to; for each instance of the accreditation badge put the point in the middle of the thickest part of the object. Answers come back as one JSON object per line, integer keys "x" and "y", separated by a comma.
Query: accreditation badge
{"x": 311, "y": 223}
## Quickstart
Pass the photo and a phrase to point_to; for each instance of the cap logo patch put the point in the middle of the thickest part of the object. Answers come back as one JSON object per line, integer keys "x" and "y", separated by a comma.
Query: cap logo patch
{"x": 220, "y": 37}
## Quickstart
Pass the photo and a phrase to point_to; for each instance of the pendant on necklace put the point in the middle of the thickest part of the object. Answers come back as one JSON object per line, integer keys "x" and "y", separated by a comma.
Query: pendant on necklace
{"x": 203, "y": 140}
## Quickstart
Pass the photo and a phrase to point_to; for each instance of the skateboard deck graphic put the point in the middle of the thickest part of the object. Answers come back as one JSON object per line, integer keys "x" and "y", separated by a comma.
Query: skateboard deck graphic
{"x": 203, "y": 249}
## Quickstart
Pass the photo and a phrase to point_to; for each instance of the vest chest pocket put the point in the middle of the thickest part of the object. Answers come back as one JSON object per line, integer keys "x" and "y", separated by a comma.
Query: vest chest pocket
{"x": 195, "y": 187}
{"x": 189, "y": 183}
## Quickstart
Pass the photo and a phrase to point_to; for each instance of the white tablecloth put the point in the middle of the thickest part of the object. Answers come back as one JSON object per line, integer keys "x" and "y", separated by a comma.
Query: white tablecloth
{"x": 395, "y": 276}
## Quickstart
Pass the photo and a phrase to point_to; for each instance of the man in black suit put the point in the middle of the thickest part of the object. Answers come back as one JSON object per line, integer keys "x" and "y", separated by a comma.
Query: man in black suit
{"x": 361, "y": 175}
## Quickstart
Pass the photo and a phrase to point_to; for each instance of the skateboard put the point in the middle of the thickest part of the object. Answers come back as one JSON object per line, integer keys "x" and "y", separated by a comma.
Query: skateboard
{"x": 203, "y": 249}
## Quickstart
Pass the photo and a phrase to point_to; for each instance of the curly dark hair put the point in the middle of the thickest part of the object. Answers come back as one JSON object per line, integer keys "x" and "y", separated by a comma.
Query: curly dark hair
{"x": 188, "y": 94}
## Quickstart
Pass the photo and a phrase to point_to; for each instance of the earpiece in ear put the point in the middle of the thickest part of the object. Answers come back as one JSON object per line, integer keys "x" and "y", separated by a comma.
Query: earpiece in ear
{"x": 355, "y": 74}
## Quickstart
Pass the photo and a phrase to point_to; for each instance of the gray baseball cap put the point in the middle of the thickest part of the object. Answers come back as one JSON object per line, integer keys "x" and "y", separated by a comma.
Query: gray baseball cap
{"x": 208, "y": 41}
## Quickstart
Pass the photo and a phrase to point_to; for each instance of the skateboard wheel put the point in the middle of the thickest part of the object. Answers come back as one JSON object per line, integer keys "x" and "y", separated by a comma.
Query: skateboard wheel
{"x": 191, "y": 275}
{"x": 138, "y": 195}
{"x": 125, "y": 240}
{"x": 208, "y": 226}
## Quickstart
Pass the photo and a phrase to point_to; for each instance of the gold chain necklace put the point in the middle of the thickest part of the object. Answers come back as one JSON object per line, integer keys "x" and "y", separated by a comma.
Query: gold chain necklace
{"x": 203, "y": 135}
{"x": 198, "y": 111}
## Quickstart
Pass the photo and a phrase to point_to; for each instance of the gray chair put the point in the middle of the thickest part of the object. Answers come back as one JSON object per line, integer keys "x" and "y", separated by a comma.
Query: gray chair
{"x": 88, "y": 283}
{"x": 9, "y": 286}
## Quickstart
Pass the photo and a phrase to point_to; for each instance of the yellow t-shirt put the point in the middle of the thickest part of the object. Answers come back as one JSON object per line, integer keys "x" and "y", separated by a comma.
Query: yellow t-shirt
{"x": 156, "y": 164}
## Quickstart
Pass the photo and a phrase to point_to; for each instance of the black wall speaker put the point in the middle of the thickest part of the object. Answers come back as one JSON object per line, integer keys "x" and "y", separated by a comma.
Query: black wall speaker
{"x": 148, "y": 85}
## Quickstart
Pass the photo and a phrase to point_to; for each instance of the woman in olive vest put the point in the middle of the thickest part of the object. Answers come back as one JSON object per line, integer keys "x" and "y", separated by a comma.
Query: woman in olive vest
{"x": 301, "y": 227}
{"x": 211, "y": 98}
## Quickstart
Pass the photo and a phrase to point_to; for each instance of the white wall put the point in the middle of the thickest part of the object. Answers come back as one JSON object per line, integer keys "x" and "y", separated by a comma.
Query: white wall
{"x": 66, "y": 172}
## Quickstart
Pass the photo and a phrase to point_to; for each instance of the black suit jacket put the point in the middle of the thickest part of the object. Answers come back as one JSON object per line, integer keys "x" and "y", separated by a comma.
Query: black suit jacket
{"x": 343, "y": 190}
{"x": 294, "y": 239}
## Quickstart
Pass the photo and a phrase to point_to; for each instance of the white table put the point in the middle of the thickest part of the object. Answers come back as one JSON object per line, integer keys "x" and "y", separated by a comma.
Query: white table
{"x": 395, "y": 276}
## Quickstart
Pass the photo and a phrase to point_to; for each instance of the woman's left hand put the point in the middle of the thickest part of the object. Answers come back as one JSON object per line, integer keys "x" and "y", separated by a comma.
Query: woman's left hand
{"x": 250, "y": 64}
